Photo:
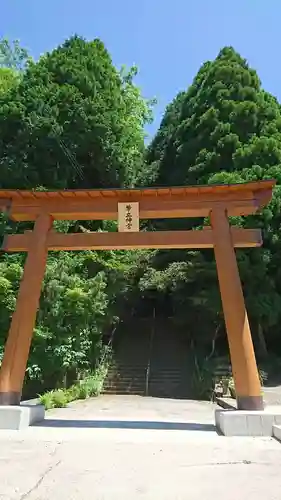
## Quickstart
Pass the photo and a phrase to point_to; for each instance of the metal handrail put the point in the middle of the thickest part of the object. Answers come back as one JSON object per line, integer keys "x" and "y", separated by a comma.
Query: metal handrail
{"x": 149, "y": 355}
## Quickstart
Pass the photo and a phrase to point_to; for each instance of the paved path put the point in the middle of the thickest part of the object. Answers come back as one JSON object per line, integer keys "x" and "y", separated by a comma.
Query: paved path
{"x": 272, "y": 395}
{"x": 127, "y": 448}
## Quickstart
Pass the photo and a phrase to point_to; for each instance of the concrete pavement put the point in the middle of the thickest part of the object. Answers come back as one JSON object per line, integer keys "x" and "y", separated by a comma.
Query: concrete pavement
{"x": 116, "y": 447}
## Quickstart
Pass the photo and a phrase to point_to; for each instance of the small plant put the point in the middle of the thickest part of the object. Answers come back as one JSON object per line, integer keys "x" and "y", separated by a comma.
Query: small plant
{"x": 47, "y": 400}
{"x": 92, "y": 385}
{"x": 95, "y": 385}
{"x": 83, "y": 392}
{"x": 59, "y": 398}
{"x": 73, "y": 393}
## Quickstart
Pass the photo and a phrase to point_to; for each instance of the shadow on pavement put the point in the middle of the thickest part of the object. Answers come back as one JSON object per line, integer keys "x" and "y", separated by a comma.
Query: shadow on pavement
{"x": 126, "y": 424}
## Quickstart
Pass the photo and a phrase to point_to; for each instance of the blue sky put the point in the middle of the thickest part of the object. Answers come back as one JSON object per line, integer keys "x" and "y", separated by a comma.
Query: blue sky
{"x": 168, "y": 40}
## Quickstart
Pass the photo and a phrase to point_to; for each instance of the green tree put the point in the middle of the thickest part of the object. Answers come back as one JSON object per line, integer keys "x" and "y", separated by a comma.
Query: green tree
{"x": 8, "y": 79}
{"x": 226, "y": 128}
{"x": 12, "y": 55}
{"x": 13, "y": 61}
{"x": 73, "y": 121}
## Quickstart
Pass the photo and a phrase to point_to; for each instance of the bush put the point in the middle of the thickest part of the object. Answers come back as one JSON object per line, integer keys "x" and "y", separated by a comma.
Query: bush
{"x": 73, "y": 393}
{"x": 47, "y": 400}
{"x": 54, "y": 399}
{"x": 83, "y": 392}
{"x": 94, "y": 385}
{"x": 91, "y": 386}
{"x": 60, "y": 399}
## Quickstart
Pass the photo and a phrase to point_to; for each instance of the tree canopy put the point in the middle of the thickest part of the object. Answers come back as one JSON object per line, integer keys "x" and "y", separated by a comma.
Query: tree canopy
{"x": 224, "y": 129}
{"x": 74, "y": 120}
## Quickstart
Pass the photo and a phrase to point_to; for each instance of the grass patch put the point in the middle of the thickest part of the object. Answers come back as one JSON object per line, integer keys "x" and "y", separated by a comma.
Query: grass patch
{"x": 90, "y": 386}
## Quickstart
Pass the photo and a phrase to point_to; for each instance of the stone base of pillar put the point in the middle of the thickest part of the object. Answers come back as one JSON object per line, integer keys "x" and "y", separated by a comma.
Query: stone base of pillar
{"x": 247, "y": 423}
{"x": 250, "y": 403}
{"x": 22, "y": 416}
{"x": 10, "y": 398}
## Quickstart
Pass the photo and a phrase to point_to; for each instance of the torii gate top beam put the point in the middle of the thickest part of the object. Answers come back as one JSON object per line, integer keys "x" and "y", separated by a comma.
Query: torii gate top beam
{"x": 154, "y": 203}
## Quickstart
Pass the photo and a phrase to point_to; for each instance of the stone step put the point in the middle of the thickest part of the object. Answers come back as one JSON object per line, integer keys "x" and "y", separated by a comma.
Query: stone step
{"x": 154, "y": 369}
{"x": 155, "y": 376}
{"x": 134, "y": 349}
{"x": 126, "y": 375}
{"x": 140, "y": 380}
{"x": 124, "y": 391}
{"x": 125, "y": 381}
{"x": 124, "y": 368}
{"x": 124, "y": 385}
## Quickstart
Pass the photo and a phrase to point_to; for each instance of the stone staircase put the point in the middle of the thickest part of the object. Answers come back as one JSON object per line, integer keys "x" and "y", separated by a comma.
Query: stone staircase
{"x": 166, "y": 382}
{"x": 149, "y": 361}
{"x": 126, "y": 379}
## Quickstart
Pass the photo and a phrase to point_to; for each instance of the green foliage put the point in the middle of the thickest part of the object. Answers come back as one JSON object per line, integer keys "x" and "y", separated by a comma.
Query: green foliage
{"x": 70, "y": 120}
{"x": 56, "y": 399}
{"x": 12, "y": 55}
{"x": 73, "y": 121}
{"x": 225, "y": 129}
{"x": 59, "y": 399}
{"x": 47, "y": 400}
{"x": 90, "y": 386}
{"x": 13, "y": 60}
{"x": 8, "y": 80}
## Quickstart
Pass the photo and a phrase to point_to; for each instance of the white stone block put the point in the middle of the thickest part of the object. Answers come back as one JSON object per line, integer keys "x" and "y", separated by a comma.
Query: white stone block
{"x": 247, "y": 423}
{"x": 267, "y": 421}
{"x": 234, "y": 424}
{"x": 277, "y": 419}
{"x": 277, "y": 432}
{"x": 217, "y": 416}
{"x": 20, "y": 417}
{"x": 254, "y": 425}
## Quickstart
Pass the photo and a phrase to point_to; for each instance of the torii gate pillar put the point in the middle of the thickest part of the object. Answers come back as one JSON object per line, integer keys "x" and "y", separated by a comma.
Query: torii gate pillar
{"x": 20, "y": 333}
{"x": 243, "y": 361}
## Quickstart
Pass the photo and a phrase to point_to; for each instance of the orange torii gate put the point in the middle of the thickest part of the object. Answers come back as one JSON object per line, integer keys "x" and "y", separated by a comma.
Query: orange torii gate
{"x": 128, "y": 206}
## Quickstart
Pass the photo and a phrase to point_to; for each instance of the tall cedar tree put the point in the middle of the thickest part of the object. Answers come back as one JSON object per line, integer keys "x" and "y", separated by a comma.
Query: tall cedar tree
{"x": 225, "y": 128}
